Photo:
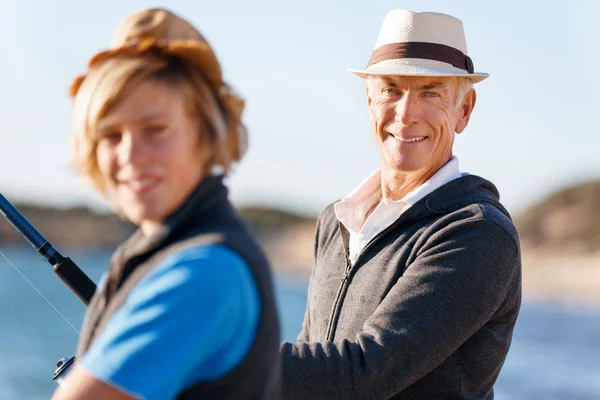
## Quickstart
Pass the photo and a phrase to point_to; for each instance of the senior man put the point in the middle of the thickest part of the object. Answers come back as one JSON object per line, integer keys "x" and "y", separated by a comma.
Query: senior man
{"x": 416, "y": 286}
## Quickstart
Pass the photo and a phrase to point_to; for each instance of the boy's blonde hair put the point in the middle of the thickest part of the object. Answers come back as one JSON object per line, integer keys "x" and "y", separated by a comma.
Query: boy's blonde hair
{"x": 109, "y": 82}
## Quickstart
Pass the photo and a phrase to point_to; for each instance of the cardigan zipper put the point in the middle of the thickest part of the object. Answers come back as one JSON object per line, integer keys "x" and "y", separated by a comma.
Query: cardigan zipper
{"x": 336, "y": 307}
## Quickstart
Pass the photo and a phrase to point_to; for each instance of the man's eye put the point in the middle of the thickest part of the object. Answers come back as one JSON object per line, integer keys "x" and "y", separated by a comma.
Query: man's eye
{"x": 431, "y": 94}
{"x": 390, "y": 90}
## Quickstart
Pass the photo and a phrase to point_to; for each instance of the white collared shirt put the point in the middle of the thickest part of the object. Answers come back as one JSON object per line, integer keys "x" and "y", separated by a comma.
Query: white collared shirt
{"x": 352, "y": 209}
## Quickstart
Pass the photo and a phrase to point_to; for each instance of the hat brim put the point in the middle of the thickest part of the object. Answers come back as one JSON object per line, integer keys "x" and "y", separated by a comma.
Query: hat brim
{"x": 416, "y": 67}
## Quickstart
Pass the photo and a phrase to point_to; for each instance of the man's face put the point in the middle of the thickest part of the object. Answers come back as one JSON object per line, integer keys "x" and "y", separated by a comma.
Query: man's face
{"x": 414, "y": 120}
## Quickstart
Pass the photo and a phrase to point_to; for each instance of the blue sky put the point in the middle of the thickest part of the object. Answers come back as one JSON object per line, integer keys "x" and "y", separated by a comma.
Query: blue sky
{"x": 533, "y": 129}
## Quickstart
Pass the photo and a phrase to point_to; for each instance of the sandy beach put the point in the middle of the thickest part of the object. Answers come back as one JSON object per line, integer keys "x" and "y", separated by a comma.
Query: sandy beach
{"x": 570, "y": 278}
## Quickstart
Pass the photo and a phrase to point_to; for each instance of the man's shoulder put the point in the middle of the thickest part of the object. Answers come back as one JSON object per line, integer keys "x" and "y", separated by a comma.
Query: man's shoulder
{"x": 470, "y": 193}
{"x": 495, "y": 213}
{"x": 480, "y": 215}
{"x": 328, "y": 212}
{"x": 470, "y": 200}
{"x": 327, "y": 218}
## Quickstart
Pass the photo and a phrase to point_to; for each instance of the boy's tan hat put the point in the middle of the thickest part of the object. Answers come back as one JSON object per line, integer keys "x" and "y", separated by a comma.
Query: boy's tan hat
{"x": 161, "y": 31}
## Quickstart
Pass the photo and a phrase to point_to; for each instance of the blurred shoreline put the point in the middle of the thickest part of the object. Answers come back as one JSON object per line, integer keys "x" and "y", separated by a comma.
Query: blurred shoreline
{"x": 560, "y": 240}
{"x": 565, "y": 278}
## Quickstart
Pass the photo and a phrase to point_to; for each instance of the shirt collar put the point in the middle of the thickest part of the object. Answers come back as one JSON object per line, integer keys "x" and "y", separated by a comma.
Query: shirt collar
{"x": 351, "y": 210}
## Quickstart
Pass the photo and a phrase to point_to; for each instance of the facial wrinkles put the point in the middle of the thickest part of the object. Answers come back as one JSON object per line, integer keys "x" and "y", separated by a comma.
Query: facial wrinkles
{"x": 444, "y": 136}
{"x": 445, "y": 127}
{"x": 386, "y": 115}
{"x": 440, "y": 121}
{"x": 377, "y": 111}
{"x": 443, "y": 149}
{"x": 379, "y": 123}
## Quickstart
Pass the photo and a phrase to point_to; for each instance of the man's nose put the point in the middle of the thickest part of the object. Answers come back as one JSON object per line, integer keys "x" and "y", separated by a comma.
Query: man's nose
{"x": 408, "y": 110}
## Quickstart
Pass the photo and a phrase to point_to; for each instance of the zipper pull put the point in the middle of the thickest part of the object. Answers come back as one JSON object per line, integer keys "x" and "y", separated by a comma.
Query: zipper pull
{"x": 348, "y": 268}
{"x": 345, "y": 276}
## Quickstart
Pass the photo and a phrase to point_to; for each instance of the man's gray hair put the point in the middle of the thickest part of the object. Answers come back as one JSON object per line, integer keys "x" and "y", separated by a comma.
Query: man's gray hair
{"x": 464, "y": 86}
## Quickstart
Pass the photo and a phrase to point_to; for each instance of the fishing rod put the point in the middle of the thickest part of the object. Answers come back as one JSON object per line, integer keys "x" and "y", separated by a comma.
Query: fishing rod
{"x": 63, "y": 267}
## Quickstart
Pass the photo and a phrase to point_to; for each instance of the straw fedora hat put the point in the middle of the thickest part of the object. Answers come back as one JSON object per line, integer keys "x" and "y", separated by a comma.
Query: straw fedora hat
{"x": 421, "y": 44}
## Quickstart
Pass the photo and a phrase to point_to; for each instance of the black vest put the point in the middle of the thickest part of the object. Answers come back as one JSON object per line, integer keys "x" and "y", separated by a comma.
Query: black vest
{"x": 206, "y": 217}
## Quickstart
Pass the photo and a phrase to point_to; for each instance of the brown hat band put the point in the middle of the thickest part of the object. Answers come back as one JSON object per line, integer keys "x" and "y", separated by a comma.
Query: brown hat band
{"x": 429, "y": 51}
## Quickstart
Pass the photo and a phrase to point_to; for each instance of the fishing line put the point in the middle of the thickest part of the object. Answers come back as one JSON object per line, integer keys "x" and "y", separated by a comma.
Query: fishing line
{"x": 40, "y": 293}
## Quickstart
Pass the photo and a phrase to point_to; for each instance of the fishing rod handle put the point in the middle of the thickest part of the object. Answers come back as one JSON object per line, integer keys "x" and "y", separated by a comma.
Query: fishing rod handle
{"x": 75, "y": 279}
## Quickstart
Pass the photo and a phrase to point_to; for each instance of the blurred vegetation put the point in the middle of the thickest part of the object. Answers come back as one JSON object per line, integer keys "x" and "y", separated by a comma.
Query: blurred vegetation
{"x": 568, "y": 220}
{"x": 82, "y": 227}
{"x": 268, "y": 221}
{"x": 69, "y": 227}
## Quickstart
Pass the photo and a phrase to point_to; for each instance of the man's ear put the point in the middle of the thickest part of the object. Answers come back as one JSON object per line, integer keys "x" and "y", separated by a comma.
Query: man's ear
{"x": 466, "y": 109}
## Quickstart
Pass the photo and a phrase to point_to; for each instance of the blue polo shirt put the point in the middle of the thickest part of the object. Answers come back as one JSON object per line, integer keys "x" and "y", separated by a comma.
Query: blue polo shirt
{"x": 192, "y": 319}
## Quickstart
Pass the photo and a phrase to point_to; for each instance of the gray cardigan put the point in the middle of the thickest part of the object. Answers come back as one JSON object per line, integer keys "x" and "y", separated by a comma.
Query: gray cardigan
{"x": 426, "y": 312}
